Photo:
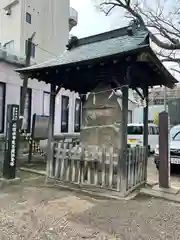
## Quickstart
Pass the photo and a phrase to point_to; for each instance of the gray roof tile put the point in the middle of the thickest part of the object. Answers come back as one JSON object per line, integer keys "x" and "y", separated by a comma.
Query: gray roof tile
{"x": 96, "y": 49}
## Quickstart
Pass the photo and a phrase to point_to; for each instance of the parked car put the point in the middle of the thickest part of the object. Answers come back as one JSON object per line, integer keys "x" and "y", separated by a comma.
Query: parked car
{"x": 174, "y": 147}
{"x": 135, "y": 135}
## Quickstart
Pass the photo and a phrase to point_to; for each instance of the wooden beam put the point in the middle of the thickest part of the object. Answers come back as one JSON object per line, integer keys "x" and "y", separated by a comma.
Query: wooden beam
{"x": 139, "y": 93}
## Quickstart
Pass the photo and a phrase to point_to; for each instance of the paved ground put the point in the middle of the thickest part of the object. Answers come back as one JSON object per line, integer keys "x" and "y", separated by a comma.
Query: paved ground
{"x": 34, "y": 211}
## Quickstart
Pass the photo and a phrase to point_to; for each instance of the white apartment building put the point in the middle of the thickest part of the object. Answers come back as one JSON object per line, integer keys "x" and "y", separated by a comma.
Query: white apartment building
{"x": 51, "y": 20}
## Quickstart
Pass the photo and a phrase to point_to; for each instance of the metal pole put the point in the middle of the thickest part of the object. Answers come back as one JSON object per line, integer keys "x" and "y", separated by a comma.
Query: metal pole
{"x": 24, "y": 90}
{"x": 25, "y": 80}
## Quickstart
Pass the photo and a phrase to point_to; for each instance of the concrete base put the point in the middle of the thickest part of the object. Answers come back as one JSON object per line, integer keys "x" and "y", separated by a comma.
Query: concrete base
{"x": 169, "y": 194}
{"x": 8, "y": 182}
{"x": 170, "y": 190}
{"x": 39, "y": 172}
{"x": 30, "y": 165}
{"x": 151, "y": 183}
{"x": 90, "y": 191}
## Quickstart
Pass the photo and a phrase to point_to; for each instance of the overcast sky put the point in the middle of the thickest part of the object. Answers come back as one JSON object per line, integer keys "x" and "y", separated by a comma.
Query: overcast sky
{"x": 92, "y": 21}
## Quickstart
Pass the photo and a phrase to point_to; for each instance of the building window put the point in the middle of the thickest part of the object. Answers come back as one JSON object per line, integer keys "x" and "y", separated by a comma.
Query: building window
{"x": 33, "y": 49}
{"x": 64, "y": 114}
{"x": 135, "y": 130}
{"x": 77, "y": 120}
{"x": 46, "y": 101}
{"x": 26, "y": 126}
{"x": 28, "y": 17}
{"x": 2, "y": 105}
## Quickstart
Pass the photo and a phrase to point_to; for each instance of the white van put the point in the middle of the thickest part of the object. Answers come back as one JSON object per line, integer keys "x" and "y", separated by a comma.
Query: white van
{"x": 135, "y": 135}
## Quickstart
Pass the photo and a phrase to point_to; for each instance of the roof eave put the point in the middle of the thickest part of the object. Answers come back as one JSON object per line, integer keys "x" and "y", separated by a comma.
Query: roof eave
{"x": 165, "y": 73}
{"x": 28, "y": 70}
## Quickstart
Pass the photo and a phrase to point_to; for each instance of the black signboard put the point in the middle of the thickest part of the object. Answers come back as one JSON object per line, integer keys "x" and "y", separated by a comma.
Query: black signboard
{"x": 10, "y": 152}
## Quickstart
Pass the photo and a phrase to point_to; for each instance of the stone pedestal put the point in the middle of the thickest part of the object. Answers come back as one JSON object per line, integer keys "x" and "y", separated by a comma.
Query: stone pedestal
{"x": 8, "y": 182}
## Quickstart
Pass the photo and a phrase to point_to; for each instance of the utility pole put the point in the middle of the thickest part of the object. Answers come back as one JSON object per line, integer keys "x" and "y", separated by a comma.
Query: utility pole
{"x": 25, "y": 80}
{"x": 24, "y": 89}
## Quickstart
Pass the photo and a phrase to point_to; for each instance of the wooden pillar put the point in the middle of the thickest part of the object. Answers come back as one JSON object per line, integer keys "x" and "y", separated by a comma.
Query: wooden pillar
{"x": 164, "y": 164}
{"x": 49, "y": 166}
{"x": 145, "y": 132}
{"x": 123, "y": 157}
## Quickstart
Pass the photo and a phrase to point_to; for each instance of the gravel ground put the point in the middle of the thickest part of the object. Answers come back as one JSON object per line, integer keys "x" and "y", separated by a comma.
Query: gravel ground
{"x": 35, "y": 211}
{"x": 138, "y": 219}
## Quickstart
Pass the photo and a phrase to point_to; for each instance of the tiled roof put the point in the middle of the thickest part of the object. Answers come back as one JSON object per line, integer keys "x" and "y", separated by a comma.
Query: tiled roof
{"x": 98, "y": 46}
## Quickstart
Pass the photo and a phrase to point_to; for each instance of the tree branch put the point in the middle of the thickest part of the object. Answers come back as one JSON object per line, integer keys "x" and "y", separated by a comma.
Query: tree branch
{"x": 173, "y": 69}
{"x": 177, "y": 60}
{"x": 119, "y": 3}
{"x": 170, "y": 57}
{"x": 172, "y": 45}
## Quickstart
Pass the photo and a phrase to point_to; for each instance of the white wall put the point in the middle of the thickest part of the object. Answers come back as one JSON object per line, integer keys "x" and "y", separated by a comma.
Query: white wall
{"x": 50, "y": 21}
{"x": 153, "y": 110}
{"x": 131, "y": 107}
{"x": 10, "y": 27}
{"x": 13, "y": 83}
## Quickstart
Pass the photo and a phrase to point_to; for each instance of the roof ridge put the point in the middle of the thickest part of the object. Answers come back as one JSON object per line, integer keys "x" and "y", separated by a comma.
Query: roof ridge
{"x": 129, "y": 30}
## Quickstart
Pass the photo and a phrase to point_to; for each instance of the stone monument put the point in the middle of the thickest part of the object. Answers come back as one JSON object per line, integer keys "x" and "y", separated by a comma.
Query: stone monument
{"x": 101, "y": 118}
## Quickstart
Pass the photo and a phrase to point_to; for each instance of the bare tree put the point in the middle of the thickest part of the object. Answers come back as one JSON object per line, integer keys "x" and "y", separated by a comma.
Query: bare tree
{"x": 161, "y": 20}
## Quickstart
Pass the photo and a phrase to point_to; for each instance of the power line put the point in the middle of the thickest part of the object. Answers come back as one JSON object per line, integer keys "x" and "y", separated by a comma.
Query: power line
{"x": 37, "y": 45}
{"x": 45, "y": 50}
